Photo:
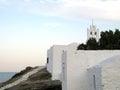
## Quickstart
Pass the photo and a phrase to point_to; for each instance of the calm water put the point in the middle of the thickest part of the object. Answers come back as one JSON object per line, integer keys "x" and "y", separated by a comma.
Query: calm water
{"x": 4, "y": 76}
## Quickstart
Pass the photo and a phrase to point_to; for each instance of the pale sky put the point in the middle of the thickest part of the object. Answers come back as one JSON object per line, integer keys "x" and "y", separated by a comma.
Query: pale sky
{"x": 29, "y": 27}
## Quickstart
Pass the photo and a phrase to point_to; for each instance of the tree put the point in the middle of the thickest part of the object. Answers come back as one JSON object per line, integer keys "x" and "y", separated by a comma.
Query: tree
{"x": 82, "y": 47}
{"x": 92, "y": 44}
{"x": 109, "y": 40}
{"x": 103, "y": 40}
{"x": 117, "y": 39}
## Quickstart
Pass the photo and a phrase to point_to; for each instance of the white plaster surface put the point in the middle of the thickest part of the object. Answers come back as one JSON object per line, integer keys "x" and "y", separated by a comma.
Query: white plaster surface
{"x": 95, "y": 78}
{"x": 23, "y": 78}
{"x": 77, "y": 64}
{"x": 64, "y": 71}
{"x": 50, "y": 58}
{"x": 54, "y": 54}
{"x": 107, "y": 75}
{"x": 111, "y": 74}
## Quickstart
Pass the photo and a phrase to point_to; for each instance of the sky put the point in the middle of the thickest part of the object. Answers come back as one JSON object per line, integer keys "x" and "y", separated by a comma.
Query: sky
{"x": 29, "y": 27}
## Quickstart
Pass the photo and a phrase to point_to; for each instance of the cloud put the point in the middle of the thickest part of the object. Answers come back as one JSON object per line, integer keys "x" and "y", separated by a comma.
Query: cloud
{"x": 27, "y": 0}
{"x": 52, "y": 24}
{"x": 97, "y": 9}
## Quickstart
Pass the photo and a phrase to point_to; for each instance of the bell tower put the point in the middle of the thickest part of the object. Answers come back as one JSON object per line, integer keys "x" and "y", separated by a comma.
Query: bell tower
{"x": 93, "y": 32}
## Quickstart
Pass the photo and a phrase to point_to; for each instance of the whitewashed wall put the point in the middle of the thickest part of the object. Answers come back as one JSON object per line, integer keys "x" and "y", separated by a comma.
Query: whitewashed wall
{"x": 54, "y": 54}
{"x": 111, "y": 74}
{"x": 49, "y": 57}
{"x": 77, "y": 65}
{"x": 95, "y": 78}
{"x": 64, "y": 71}
{"x": 106, "y": 74}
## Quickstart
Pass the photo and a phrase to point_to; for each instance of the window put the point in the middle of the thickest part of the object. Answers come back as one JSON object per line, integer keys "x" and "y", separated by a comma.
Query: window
{"x": 90, "y": 33}
{"x": 47, "y": 60}
{"x": 95, "y": 33}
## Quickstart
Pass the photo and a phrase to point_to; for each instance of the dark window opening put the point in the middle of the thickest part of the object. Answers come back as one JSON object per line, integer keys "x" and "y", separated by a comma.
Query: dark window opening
{"x": 95, "y": 33}
{"x": 90, "y": 33}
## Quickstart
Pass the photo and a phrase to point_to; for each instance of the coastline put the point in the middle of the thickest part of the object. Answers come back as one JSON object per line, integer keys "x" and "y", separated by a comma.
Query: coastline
{"x": 37, "y": 77}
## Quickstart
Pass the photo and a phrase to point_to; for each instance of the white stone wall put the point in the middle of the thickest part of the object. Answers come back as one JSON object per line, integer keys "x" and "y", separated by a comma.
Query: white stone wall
{"x": 57, "y": 62}
{"x": 54, "y": 55}
{"x": 106, "y": 74}
{"x": 64, "y": 71}
{"x": 76, "y": 72}
{"x": 49, "y": 58}
{"x": 111, "y": 74}
{"x": 54, "y": 61}
{"x": 77, "y": 65}
{"x": 95, "y": 78}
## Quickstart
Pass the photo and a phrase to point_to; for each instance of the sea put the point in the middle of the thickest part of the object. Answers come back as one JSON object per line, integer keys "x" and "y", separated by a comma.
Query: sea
{"x": 4, "y": 76}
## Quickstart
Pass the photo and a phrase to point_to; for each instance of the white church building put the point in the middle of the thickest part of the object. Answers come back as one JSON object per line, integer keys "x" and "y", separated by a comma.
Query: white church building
{"x": 84, "y": 69}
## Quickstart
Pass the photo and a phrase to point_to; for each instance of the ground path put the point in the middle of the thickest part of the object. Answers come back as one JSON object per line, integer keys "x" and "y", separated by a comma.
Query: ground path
{"x": 23, "y": 78}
